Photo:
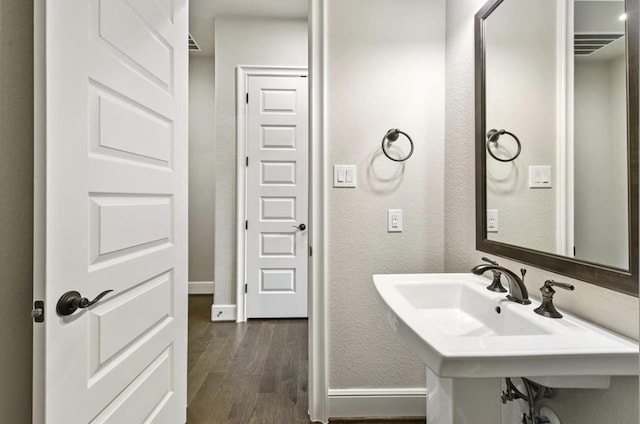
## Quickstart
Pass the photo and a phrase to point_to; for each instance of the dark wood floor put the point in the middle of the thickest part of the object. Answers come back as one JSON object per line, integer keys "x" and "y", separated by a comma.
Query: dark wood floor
{"x": 249, "y": 373}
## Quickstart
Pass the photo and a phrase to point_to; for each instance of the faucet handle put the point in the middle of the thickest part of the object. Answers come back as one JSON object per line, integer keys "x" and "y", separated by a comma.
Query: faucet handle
{"x": 523, "y": 271}
{"x": 492, "y": 262}
{"x": 496, "y": 284}
{"x": 546, "y": 308}
{"x": 551, "y": 283}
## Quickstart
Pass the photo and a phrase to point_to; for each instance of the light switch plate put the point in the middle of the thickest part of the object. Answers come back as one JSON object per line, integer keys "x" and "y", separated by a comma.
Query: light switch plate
{"x": 540, "y": 176}
{"x": 492, "y": 220}
{"x": 344, "y": 176}
{"x": 394, "y": 220}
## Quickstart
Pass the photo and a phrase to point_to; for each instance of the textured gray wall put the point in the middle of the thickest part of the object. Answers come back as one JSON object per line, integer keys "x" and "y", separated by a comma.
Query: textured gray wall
{"x": 378, "y": 79}
{"x": 603, "y": 307}
{"x": 16, "y": 206}
{"x": 201, "y": 168}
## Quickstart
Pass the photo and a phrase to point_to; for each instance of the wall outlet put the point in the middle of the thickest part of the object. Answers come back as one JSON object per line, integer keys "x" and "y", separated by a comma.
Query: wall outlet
{"x": 344, "y": 176}
{"x": 492, "y": 220}
{"x": 394, "y": 220}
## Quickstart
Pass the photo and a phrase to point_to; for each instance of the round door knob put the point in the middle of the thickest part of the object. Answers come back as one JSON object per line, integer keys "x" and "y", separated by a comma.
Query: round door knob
{"x": 300, "y": 227}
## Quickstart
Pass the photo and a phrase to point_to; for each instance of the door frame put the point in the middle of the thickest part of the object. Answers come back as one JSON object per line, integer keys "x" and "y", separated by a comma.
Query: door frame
{"x": 39, "y": 205}
{"x": 564, "y": 166}
{"x": 243, "y": 73}
{"x": 318, "y": 215}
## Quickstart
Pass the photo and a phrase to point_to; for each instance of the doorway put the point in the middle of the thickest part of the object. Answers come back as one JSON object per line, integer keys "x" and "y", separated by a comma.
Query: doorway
{"x": 273, "y": 183}
{"x": 236, "y": 32}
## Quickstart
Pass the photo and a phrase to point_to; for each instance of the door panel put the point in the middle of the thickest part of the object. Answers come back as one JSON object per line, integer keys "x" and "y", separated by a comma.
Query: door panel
{"x": 130, "y": 30}
{"x": 277, "y": 184}
{"x": 278, "y": 280}
{"x": 113, "y": 118}
{"x": 144, "y": 398}
{"x": 278, "y": 208}
{"x": 116, "y": 195}
{"x": 112, "y": 329}
{"x": 122, "y": 224}
{"x": 278, "y": 137}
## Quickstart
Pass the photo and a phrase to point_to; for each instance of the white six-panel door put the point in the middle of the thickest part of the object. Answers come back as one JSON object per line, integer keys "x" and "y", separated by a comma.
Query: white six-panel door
{"x": 277, "y": 189}
{"x": 116, "y": 196}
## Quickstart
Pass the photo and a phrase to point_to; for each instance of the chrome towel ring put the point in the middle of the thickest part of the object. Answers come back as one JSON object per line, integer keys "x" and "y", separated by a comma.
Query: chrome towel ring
{"x": 392, "y": 135}
{"x": 492, "y": 137}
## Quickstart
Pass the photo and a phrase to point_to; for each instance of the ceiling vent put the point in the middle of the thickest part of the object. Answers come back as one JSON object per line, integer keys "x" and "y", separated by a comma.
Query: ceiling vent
{"x": 585, "y": 44}
{"x": 193, "y": 46}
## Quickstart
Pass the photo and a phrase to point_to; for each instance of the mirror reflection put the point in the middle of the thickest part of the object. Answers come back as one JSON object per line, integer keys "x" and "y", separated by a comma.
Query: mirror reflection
{"x": 600, "y": 133}
{"x": 556, "y": 122}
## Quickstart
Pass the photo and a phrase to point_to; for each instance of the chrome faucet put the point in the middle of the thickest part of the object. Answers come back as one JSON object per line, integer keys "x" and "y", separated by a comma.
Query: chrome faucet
{"x": 517, "y": 290}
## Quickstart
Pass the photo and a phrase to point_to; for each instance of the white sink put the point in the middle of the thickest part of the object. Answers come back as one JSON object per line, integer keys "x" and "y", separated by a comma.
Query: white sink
{"x": 451, "y": 322}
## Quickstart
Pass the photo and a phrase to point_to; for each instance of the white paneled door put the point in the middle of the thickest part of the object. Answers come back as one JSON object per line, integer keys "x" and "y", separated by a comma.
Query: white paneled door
{"x": 116, "y": 200}
{"x": 277, "y": 196}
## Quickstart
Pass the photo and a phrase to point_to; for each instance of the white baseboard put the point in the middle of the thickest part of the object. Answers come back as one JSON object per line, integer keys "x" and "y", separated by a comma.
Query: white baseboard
{"x": 201, "y": 287}
{"x": 377, "y": 403}
{"x": 223, "y": 312}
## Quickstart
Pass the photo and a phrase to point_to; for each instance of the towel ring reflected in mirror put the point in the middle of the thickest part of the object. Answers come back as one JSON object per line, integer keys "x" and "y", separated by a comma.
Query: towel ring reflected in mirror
{"x": 492, "y": 139}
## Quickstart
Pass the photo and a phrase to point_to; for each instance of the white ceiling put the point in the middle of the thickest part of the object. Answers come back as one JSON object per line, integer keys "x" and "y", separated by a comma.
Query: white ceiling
{"x": 203, "y": 12}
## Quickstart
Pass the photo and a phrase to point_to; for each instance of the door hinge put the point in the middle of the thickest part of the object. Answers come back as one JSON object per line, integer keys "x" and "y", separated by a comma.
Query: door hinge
{"x": 246, "y": 161}
{"x": 247, "y": 98}
{"x": 37, "y": 313}
{"x": 310, "y": 251}
{"x": 245, "y": 287}
{"x": 246, "y": 225}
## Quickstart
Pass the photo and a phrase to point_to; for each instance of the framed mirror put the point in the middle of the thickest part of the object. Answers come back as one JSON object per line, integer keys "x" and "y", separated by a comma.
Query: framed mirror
{"x": 557, "y": 136}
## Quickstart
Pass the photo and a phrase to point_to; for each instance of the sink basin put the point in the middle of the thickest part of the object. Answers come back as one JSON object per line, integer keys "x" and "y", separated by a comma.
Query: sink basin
{"x": 461, "y": 330}
{"x": 464, "y": 310}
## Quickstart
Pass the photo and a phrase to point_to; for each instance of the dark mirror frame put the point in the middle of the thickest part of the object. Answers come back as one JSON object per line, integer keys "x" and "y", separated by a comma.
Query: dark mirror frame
{"x": 624, "y": 281}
